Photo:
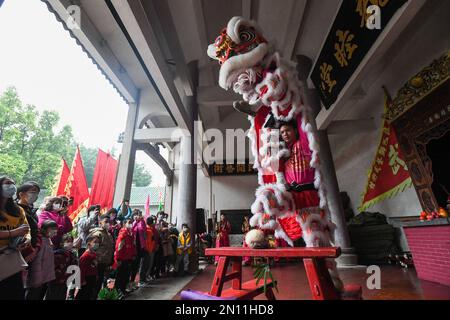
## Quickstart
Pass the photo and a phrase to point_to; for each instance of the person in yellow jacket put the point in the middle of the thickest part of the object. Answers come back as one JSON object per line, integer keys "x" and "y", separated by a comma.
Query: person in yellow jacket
{"x": 184, "y": 249}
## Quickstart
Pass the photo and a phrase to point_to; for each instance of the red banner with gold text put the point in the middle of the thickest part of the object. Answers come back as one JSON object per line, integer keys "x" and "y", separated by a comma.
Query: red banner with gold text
{"x": 388, "y": 174}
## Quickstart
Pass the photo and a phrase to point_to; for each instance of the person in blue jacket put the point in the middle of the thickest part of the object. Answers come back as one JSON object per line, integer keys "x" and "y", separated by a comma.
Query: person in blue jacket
{"x": 124, "y": 211}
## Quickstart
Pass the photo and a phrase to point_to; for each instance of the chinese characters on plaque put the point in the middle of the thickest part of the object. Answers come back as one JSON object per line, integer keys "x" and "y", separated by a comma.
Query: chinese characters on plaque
{"x": 347, "y": 44}
{"x": 234, "y": 169}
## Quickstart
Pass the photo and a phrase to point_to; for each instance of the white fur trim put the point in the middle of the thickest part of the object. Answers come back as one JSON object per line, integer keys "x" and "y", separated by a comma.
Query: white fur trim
{"x": 241, "y": 61}
{"x": 234, "y": 25}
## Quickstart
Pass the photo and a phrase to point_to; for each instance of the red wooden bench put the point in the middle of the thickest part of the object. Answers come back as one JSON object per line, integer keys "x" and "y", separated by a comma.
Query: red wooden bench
{"x": 319, "y": 279}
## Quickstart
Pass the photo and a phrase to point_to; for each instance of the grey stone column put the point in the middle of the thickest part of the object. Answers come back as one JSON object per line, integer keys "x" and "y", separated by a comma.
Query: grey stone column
{"x": 127, "y": 158}
{"x": 342, "y": 238}
{"x": 187, "y": 180}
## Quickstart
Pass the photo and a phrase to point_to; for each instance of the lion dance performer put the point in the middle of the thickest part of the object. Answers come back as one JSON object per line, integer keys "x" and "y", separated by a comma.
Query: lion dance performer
{"x": 291, "y": 197}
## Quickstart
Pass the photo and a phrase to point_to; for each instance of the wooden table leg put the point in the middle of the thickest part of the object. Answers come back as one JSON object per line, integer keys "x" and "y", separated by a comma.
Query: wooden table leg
{"x": 236, "y": 264}
{"x": 270, "y": 295}
{"x": 217, "y": 285}
{"x": 319, "y": 279}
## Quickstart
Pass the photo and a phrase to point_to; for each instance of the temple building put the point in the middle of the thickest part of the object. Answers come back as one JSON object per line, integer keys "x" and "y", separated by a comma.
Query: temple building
{"x": 358, "y": 71}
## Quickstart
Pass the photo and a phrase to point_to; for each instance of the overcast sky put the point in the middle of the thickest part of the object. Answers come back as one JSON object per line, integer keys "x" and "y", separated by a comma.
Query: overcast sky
{"x": 51, "y": 71}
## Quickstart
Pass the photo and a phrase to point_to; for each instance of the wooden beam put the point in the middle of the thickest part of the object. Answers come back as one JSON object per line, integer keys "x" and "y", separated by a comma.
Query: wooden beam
{"x": 153, "y": 153}
{"x": 247, "y": 9}
{"x": 390, "y": 34}
{"x": 206, "y": 71}
{"x": 216, "y": 96}
{"x": 98, "y": 49}
{"x": 293, "y": 29}
{"x": 160, "y": 11}
{"x": 142, "y": 32}
{"x": 351, "y": 126}
{"x": 154, "y": 135}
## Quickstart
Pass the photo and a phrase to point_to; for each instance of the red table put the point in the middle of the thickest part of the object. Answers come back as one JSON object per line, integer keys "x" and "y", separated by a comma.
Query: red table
{"x": 319, "y": 279}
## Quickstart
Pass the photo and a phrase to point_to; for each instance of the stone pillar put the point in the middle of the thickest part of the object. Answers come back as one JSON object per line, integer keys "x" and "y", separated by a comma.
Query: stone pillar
{"x": 127, "y": 158}
{"x": 342, "y": 238}
{"x": 187, "y": 180}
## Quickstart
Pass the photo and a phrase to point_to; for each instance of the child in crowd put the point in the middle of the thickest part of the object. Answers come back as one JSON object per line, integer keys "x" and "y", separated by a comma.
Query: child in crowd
{"x": 151, "y": 246}
{"x": 139, "y": 232}
{"x": 88, "y": 268}
{"x": 184, "y": 249}
{"x": 42, "y": 270}
{"x": 154, "y": 268}
{"x": 124, "y": 256}
{"x": 105, "y": 252}
{"x": 64, "y": 257}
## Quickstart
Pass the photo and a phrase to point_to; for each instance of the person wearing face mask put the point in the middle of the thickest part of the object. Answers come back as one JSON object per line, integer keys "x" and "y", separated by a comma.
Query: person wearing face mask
{"x": 124, "y": 256}
{"x": 64, "y": 257}
{"x": 52, "y": 211}
{"x": 42, "y": 270}
{"x": 27, "y": 195}
{"x": 86, "y": 224}
{"x": 88, "y": 269}
{"x": 13, "y": 225}
{"x": 124, "y": 211}
{"x": 105, "y": 252}
{"x": 184, "y": 249}
{"x": 139, "y": 232}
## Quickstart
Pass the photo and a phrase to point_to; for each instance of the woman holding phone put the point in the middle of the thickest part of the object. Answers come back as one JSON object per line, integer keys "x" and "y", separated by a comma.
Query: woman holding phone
{"x": 14, "y": 230}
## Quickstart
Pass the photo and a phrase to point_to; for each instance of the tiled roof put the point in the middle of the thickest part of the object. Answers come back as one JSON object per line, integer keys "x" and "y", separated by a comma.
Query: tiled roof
{"x": 138, "y": 195}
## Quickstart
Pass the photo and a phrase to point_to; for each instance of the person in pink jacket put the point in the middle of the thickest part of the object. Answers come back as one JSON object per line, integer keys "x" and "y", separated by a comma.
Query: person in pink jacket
{"x": 52, "y": 211}
{"x": 139, "y": 230}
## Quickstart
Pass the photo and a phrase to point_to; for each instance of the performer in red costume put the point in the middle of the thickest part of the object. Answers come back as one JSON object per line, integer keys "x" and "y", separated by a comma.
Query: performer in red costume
{"x": 291, "y": 191}
{"x": 298, "y": 173}
{"x": 223, "y": 239}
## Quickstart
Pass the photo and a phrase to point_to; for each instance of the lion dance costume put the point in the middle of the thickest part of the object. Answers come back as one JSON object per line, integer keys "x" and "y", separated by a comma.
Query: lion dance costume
{"x": 291, "y": 197}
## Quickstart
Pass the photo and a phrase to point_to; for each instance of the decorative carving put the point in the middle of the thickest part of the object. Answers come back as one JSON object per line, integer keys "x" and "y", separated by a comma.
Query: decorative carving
{"x": 420, "y": 86}
{"x": 406, "y": 146}
{"x": 415, "y": 172}
{"x": 427, "y": 201}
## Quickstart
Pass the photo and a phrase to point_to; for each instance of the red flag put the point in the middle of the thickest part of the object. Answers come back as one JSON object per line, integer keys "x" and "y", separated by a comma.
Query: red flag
{"x": 103, "y": 182}
{"x": 147, "y": 207}
{"x": 63, "y": 175}
{"x": 77, "y": 186}
{"x": 388, "y": 174}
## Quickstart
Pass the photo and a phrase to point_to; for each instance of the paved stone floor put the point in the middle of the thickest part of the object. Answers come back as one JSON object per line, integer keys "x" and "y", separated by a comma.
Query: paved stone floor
{"x": 163, "y": 288}
{"x": 396, "y": 283}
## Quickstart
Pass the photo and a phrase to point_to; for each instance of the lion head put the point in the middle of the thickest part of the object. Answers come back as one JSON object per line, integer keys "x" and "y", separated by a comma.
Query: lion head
{"x": 238, "y": 47}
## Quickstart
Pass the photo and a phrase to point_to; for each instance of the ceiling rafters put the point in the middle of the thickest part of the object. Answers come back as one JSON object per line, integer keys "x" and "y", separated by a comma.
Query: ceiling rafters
{"x": 142, "y": 33}
{"x": 205, "y": 70}
{"x": 295, "y": 22}
{"x": 162, "y": 12}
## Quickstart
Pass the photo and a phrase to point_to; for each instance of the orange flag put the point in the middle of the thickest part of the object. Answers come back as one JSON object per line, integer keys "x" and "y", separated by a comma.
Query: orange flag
{"x": 77, "y": 187}
{"x": 103, "y": 181}
{"x": 388, "y": 174}
{"x": 61, "y": 182}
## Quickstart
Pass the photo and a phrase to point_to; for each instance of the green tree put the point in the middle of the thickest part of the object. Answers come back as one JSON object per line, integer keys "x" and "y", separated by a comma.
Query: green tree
{"x": 141, "y": 177}
{"x": 31, "y": 146}
{"x": 89, "y": 156}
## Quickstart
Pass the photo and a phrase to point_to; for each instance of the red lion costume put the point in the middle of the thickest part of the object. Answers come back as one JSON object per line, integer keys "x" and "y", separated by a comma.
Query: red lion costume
{"x": 291, "y": 197}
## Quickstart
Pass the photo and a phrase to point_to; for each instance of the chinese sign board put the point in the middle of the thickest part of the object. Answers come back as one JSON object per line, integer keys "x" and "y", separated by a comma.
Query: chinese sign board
{"x": 347, "y": 44}
{"x": 233, "y": 169}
